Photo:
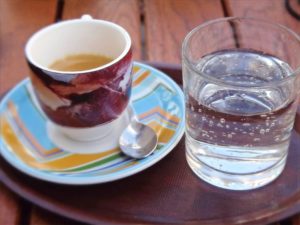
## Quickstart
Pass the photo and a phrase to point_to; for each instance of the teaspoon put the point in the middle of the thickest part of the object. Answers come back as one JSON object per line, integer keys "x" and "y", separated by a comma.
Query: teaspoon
{"x": 138, "y": 140}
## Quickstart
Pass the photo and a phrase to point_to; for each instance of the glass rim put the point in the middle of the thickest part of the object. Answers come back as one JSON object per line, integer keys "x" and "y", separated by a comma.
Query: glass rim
{"x": 187, "y": 60}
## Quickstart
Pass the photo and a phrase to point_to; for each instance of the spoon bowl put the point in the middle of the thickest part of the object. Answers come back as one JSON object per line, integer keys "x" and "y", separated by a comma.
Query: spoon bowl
{"x": 138, "y": 140}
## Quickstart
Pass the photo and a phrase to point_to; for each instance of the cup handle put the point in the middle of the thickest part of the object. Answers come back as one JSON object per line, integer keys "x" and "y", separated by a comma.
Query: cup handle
{"x": 86, "y": 17}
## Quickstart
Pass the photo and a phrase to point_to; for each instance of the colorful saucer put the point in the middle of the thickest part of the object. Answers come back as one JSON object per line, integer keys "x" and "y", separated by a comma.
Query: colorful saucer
{"x": 156, "y": 100}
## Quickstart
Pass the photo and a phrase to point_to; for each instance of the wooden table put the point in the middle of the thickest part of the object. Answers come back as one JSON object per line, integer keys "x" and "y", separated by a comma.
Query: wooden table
{"x": 157, "y": 28}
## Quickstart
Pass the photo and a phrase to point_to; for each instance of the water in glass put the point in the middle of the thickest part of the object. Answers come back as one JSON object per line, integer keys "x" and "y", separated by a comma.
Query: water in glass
{"x": 236, "y": 134}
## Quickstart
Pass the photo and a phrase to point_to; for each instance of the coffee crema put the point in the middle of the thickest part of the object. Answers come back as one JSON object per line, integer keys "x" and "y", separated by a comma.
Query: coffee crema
{"x": 80, "y": 62}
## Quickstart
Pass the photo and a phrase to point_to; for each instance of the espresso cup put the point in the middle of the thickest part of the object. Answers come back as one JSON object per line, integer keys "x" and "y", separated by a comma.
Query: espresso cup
{"x": 82, "y": 104}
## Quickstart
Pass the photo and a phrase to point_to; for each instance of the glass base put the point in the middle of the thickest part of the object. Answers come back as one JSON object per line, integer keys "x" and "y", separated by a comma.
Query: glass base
{"x": 234, "y": 181}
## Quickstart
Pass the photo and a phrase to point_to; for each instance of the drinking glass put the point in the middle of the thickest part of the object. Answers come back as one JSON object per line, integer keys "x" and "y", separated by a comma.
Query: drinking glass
{"x": 241, "y": 82}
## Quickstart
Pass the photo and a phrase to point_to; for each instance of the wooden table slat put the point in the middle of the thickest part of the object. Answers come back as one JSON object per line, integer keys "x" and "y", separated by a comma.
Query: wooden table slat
{"x": 282, "y": 45}
{"x": 168, "y": 21}
{"x": 10, "y": 210}
{"x": 18, "y": 20}
{"x": 274, "y": 11}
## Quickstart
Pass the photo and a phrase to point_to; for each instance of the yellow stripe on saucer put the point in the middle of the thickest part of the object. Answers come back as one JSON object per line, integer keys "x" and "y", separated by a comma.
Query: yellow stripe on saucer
{"x": 140, "y": 79}
{"x": 164, "y": 134}
{"x": 161, "y": 112}
{"x": 135, "y": 69}
{"x": 70, "y": 161}
{"x": 15, "y": 144}
{"x": 75, "y": 160}
{"x": 14, "y": 112}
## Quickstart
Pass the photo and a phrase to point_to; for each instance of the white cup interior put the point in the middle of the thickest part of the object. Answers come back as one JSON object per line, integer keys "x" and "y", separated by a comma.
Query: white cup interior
{"x": 78, "y": 36}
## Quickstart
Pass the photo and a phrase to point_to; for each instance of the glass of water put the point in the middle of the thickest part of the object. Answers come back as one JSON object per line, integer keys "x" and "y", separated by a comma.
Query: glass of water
{"x": 241, "y": 79}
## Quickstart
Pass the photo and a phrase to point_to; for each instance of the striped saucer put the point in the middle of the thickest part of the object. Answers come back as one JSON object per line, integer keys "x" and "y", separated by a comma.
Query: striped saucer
{"x": 156, "y": 99}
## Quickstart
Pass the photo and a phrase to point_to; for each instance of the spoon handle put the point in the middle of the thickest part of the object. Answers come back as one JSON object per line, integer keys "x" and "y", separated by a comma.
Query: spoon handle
{"x": 132, "y": 114}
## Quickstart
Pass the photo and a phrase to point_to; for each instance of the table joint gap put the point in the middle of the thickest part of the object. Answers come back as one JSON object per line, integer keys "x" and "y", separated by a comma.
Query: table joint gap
{"x": 25, "y": 212}
{"x": 59, "y": 10}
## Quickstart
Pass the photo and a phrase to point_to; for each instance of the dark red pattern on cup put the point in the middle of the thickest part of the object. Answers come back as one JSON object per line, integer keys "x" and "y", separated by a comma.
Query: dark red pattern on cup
{"x": 84, "y": 99}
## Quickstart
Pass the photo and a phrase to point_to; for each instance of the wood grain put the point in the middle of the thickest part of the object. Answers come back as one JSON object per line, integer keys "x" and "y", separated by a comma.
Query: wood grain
{"x": 19, "y": 20}
{"x": 167, "y": 22}
{"x": 10, "y": 209}
{"x": 274, "y": 11}
{"x": 123, "y": 12}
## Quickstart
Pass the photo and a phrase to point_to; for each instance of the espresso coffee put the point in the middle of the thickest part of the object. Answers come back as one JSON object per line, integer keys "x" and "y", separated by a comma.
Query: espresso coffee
{"x": 80, "y": 62}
